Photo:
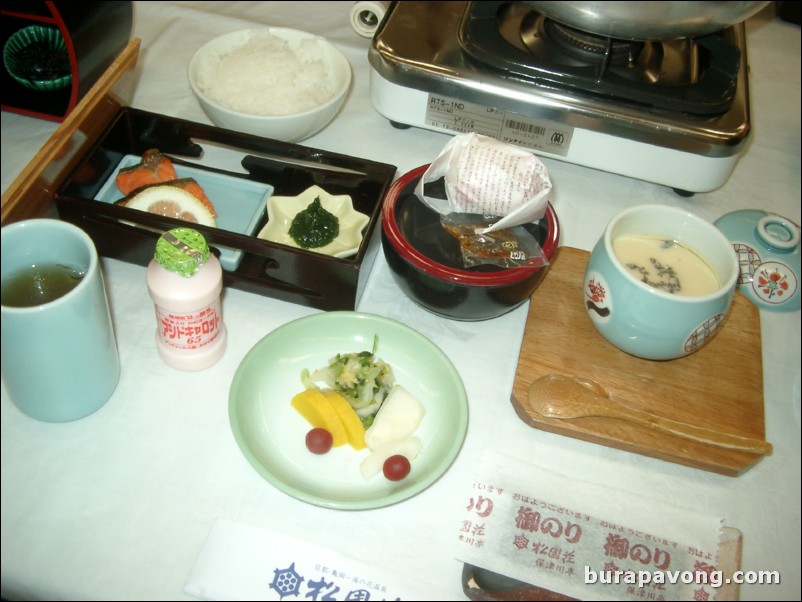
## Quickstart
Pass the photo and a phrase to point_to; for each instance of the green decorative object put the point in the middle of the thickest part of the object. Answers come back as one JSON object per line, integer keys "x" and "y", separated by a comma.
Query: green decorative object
{"x": 36, "y": 57}
{"x": 182, "y": 251}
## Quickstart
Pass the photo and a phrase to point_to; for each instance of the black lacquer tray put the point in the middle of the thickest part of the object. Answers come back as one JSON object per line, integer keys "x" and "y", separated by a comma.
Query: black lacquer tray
{"x": 267, "y": 268}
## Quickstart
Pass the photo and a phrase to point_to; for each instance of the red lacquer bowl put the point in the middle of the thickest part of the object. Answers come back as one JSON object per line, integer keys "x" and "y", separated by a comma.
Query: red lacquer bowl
{"x": 425, "y": 260}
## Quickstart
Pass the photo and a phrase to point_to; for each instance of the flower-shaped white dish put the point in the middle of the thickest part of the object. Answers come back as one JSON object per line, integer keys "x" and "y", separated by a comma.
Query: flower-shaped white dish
{"x": 281, "y": 210}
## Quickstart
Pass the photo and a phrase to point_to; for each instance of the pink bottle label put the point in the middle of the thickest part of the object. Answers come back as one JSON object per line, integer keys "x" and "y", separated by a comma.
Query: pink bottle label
{"x": 195, "y": 330}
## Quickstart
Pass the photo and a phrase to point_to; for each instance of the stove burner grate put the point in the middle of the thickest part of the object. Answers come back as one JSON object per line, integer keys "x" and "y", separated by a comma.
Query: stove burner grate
{"x": 586, "y": 46}
{"x": 696, "y": 76}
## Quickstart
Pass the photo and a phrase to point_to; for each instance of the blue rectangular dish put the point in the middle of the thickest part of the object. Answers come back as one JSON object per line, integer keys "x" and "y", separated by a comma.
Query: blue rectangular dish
{"x": 240, "y": 204}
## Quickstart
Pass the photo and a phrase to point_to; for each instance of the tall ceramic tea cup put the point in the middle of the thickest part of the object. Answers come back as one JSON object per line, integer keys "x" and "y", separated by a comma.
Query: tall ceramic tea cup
{"x": 59, "y": 352}
{"x": 659, "y": 282}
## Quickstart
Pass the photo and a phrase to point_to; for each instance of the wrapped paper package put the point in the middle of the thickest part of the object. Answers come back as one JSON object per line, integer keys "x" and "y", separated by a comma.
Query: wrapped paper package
{"x": 579, "y": 540}
{"x": 488, "y": 177}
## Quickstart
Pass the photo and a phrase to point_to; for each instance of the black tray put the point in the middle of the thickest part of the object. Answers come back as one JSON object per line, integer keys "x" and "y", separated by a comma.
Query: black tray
{"x": 267, "y": 268}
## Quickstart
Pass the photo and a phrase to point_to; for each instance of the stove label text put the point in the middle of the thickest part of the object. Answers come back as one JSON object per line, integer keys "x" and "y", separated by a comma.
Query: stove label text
{"x": 460, "y": 117}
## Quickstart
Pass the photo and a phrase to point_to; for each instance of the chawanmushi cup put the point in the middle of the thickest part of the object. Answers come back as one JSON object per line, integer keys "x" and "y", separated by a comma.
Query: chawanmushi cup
{"x": 650, "y": 322}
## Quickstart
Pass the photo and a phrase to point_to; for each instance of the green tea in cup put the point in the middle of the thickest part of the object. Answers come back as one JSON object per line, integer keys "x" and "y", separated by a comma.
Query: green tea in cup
{"x": 59, "y": 353}
{"x": 40, "y": 284}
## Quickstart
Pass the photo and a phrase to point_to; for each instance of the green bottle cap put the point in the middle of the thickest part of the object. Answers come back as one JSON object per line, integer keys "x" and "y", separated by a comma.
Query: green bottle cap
{"x": 182, "y": 250}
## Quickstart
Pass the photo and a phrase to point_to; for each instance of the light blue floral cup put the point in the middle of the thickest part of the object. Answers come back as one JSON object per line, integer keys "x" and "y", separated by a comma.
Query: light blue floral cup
{"x": 646, "y": 321}
{"x": 59, "y": 353}
{"x": 768, "y": 250}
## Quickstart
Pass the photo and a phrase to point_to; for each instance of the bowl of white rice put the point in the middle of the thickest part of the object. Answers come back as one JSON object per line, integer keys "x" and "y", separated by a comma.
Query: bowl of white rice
{"x": 272, "y": 82}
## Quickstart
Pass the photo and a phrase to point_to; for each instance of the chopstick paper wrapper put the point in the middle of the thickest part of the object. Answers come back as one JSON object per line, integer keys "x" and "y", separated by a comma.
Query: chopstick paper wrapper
{"x": 243, "y": 562}
{"x": 584, "y": 540}
{"x": 485, "y": 176}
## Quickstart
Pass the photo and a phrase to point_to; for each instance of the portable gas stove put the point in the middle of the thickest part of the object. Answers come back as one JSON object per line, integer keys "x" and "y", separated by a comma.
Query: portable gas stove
{"x": 672, "y": 112}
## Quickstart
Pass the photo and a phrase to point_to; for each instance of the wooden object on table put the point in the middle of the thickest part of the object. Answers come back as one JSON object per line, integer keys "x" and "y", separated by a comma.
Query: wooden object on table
{"x": 566, "y": 398}
{"x": 718, "y": 388}
{"x": 31, "y": 193}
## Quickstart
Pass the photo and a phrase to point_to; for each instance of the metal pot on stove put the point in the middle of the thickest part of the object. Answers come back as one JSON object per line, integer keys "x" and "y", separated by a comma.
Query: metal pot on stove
{"x": 649, "y": 20}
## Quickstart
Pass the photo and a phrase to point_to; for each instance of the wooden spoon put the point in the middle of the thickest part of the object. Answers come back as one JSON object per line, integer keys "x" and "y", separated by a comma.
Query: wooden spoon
{"x": 557, "y": 396}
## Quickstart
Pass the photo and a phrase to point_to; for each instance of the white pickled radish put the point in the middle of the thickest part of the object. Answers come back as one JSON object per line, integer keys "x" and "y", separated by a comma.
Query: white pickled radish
{"x": 372, "y": 465}
{"x": 399, "y": 417}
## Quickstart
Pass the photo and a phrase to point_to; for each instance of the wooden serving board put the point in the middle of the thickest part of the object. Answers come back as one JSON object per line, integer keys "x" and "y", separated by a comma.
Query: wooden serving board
{"x": 720, "y": 387}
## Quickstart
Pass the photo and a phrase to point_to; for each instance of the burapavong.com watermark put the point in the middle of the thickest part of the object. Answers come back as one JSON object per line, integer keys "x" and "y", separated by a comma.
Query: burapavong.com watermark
{"x": 714, "y": 579}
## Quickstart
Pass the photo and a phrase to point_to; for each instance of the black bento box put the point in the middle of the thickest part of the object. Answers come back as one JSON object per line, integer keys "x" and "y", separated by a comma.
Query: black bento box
{"x": 270, "y": 269}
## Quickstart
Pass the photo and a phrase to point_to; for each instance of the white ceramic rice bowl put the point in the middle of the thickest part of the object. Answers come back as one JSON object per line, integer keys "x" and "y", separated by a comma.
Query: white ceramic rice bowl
{"x": 287, "y": 128}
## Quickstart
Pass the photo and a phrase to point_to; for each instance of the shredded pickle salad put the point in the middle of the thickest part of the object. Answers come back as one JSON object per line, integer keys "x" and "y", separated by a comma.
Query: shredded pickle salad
{"x": 361, "y": 378}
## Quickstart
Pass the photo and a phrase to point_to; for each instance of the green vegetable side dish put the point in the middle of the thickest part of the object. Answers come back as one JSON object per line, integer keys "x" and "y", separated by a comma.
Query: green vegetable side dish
{"x": 361, "y": 378}
{"x": 314, "y": 226}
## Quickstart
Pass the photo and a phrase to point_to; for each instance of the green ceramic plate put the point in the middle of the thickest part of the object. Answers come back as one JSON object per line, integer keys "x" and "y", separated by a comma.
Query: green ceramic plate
{"x": 271, "y": 433}
{"x": 13, "y": 58}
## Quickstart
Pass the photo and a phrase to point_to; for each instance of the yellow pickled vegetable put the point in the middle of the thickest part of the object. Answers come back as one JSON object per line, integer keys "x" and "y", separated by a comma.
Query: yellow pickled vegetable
{"x": 320, "y": 413}
{"x": 350, "y": 420}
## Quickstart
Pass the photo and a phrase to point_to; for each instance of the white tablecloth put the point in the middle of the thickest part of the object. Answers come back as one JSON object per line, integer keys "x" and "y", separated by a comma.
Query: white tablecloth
{"x": 118, "y": 505}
